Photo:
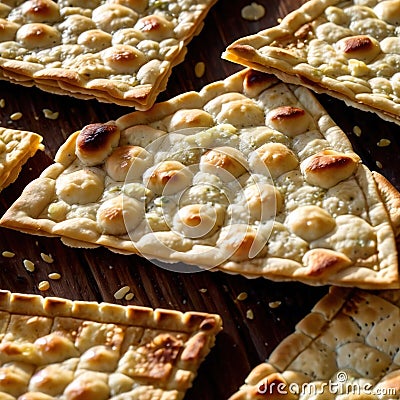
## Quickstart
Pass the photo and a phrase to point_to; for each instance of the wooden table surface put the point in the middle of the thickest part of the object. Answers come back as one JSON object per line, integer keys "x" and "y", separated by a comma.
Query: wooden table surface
{"x": 95, "y": 275}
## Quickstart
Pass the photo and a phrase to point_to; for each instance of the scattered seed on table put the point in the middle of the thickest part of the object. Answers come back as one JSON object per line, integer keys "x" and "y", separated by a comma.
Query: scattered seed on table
{"x": 29, "y": 265}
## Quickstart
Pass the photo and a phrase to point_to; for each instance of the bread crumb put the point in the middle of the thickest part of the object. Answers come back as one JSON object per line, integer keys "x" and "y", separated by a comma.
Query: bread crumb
{"x": 121, "y": 293}
{"x": 47, "y": 258}
{"x": 274, "y": 304}
{"x": 242, "y": 296}
{"x": 44, "y": 285}
{"x": 253, "y": 12}
{"x": 29, "y": 265}
{"x": 249, "y": 314}
{"x": 383, "y": 143}
{"x": 16, "y": 116}
{"x": 199, "y": 69}
{"x": 54, "y": 276}
{"x": 357, "y": 130}
{"x": 8, "y": 254}
{"x": 50, "y": 114}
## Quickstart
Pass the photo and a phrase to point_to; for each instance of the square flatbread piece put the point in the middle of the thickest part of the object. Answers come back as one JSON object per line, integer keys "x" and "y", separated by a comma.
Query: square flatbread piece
{"x": 16, "y": 147}
{"x": 348, "y": 49}
{"x": 57, "y": 348}
{"x": 347, "y": 348}
{"x": 248, "y": 176}
{"x": 117, "y": 51}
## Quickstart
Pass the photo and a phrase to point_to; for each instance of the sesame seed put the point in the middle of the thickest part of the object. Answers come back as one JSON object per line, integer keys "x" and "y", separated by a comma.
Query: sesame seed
{"x": 253, "y": 12}
{"x": 129, "y": 296}
{"x": 274, "y": 304}
{"x": 121, "y": 293}
{"x": 8, "y": 254}
{"x": 54, "y": 275}
{"x": 44, "y": 285}
{"x": 383, "y": 143}
{"x": 47, "y": 258}
{"x": 29, "y": 265}
{"x": 203, "y": 290}
{"x": 199, "y": 69}
{"x": 357, "y": 130}
{"x": 50, "y": 114}
{"x": 2, "y": 103}
{"x": 249, "y": 314}
{"x": 241, "y": 296}
{"x": 378, "y": 164}
{"x": 16, "y": 116}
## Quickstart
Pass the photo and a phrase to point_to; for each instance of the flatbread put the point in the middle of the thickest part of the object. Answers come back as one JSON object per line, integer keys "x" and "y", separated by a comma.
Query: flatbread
{"x": 117, "y": 51}
{"x": 346, "y": 348}
{"x": 249, "y": 176}
{"x": 347, "y": 49}
{"x": 57, "y": 348}
{"x": 16, "y": 147}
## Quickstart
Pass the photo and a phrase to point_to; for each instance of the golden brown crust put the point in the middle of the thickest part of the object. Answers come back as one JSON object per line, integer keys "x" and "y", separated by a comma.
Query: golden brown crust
{"x": 16, "y": 147}
{"x": 328, "y": 168}
{"x": 326, "y": 347}
{"x": 224, "y": 196}
{"x": 332, "y": 47}
{"x": 391, "y": 198}
{"x": 53, "y": 347}
{"x": 95, "y": 50}
{"x": 96, "y": 141}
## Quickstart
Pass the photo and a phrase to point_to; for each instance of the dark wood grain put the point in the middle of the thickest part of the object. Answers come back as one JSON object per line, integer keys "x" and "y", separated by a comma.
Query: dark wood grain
{"x": 97, "y": 274}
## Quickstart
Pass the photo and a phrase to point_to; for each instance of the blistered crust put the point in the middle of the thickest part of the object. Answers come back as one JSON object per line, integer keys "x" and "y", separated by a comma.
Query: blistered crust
{"x": 119, "y": 51}
{"x": 327, "y": 345}
{"x": 95, "y": 142}
{"x": 53, "y": 347}
{"x": 345, "y": 49}
{"x": 176, "y": 184}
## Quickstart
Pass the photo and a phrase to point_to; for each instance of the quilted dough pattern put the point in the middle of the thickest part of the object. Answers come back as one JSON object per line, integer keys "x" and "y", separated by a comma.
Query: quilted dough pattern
{"x": 221, "y": 178}
{"x": 54, "y": 348}
{"x": 349, "y": 48}
{"x": 346, "y": 348}
{"x": 118, "y": 51}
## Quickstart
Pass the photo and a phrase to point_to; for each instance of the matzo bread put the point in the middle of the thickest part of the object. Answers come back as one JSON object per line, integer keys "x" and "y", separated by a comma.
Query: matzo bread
{"x": 248, "y": 176}
{"x": 117, "y": 51}
{"x": 346, "y": 348}
{"x": 347, "y": 49}
{"x": 16, "y": 147}
{"x": 58, "y": 348}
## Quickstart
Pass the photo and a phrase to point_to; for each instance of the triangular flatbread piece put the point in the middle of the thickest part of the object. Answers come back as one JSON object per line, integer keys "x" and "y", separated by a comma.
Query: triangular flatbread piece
{"x": 346, "y": 348}
{"x": 119, "y": 51}
{"x": 248, "y": 176}
{"x": 347, "y": 49}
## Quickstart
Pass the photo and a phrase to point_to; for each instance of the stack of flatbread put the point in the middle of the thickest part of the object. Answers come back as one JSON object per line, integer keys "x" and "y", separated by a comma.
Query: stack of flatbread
{"x": 118, "y": 51}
